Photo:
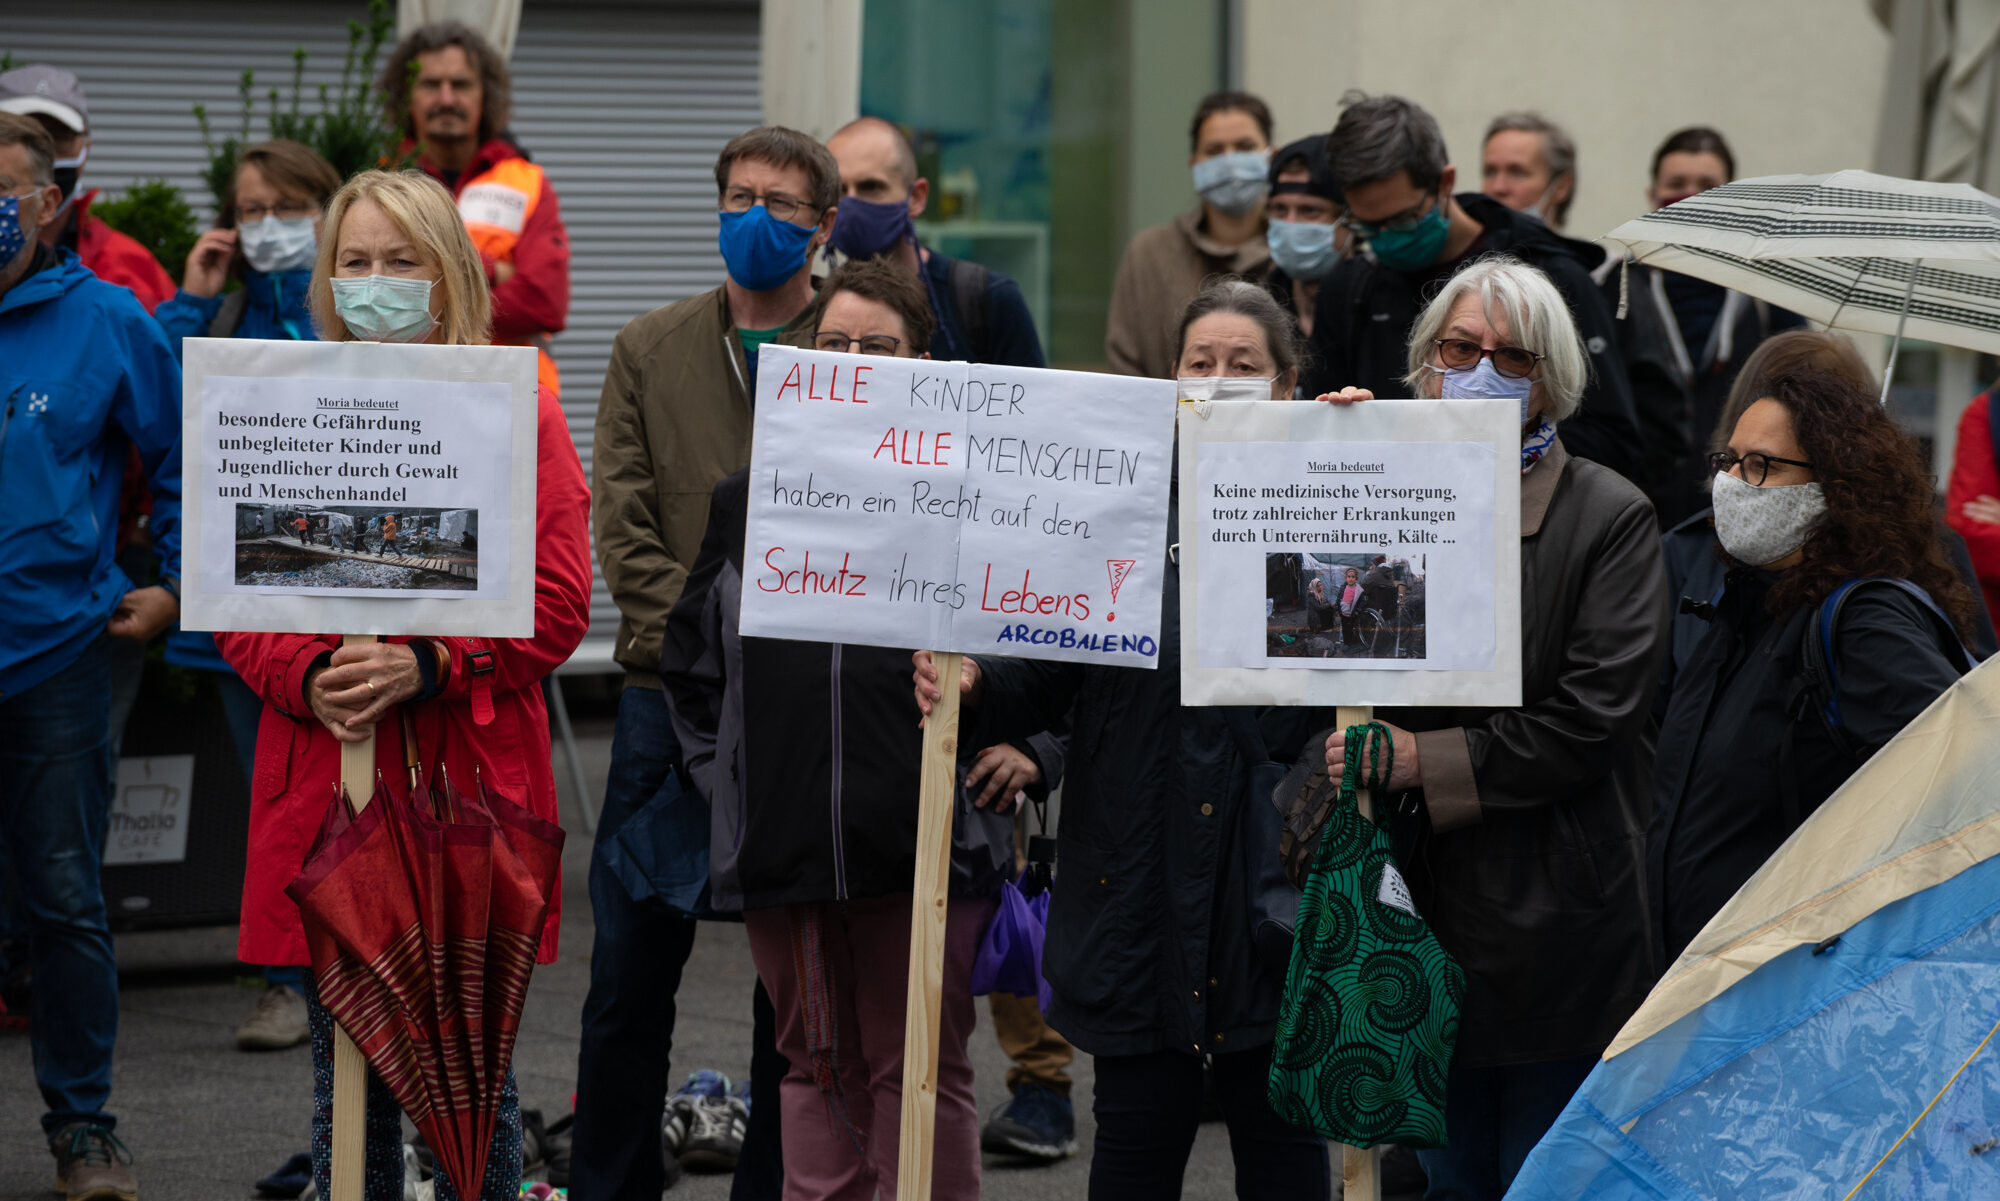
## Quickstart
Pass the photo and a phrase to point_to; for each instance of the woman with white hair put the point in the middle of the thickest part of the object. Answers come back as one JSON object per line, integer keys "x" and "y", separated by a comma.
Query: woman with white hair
{"x": 1522, "y": 830}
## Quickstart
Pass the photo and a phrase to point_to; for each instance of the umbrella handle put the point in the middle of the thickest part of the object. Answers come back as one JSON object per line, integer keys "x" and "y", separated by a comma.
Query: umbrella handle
{"x": 350, "y": 1068}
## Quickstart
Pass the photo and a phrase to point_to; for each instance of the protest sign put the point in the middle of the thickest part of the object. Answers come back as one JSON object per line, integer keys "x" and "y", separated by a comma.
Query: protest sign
{"x": 358, "y": 487}
{"x": 957, "y": 507}
{"x": 1350, "y": 555}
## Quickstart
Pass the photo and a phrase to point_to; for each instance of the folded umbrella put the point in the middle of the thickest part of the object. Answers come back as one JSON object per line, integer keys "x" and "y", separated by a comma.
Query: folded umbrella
{"x": 1010, "y": 956}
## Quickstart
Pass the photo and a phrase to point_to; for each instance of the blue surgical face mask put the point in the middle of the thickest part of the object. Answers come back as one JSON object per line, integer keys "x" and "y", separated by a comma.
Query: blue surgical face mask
{"x": 1482, "y": 382}
{"x": 1415, "y": 248}
{"x": 1235, "y": 182}
{"x": 384, "y": 308}
{"x": 863, "y": 229}
{"x": 760, "y": 251}
{"x": 12, "y": 235}
{"x": 1303, "y": 250}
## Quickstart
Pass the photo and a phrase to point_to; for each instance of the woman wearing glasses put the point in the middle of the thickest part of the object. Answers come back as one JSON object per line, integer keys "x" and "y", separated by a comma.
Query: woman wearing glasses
{"x": 1816, "y": 488}
{"x": 1525, "y": 825}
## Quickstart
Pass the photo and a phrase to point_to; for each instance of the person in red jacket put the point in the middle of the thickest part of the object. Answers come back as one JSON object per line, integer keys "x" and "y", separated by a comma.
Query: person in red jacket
{"x": 1972, "y": 499}
{"x": 448, "y": 90}
{"x": 53, "y": 97}
{"x": 475, "y": 704}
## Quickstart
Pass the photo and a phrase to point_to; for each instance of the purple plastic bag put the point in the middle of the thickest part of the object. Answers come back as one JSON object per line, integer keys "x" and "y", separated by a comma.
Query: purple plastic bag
{"x": 1010, "y": 956}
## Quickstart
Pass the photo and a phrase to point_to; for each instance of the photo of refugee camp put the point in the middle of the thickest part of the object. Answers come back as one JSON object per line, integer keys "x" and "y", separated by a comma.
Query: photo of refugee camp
{"x": 1341, "y": 605}
{"x": 357, "y": 546}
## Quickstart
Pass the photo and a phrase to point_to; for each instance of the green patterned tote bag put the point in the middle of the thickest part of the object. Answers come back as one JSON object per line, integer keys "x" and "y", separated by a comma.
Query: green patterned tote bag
{"x": 1370, "y": 1012}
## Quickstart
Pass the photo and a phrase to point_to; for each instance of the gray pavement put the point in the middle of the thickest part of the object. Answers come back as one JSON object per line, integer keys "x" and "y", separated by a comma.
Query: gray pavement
{"x": 206, "y": 1120}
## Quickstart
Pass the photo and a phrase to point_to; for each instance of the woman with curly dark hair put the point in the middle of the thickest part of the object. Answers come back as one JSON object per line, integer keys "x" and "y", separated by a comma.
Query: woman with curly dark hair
{"x": 1801, "y": 676}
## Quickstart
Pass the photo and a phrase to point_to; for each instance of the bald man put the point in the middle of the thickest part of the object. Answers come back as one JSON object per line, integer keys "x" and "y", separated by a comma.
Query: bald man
{"x": 982, "y": 317}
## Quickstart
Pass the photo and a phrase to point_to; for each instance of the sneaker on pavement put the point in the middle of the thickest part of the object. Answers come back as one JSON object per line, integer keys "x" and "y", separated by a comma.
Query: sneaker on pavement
{"x": 92, "y": 1165}
{"x": 279, "y": 1022}
{"x": 716, "y": 1123}
{"x": 1035, "y": 1124}
{"x": 673, "y": 1136}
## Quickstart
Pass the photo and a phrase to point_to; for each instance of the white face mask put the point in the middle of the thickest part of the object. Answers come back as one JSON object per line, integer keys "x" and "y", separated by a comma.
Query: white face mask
{"x": 1759, "y": 526}
{"x": 1227, "y": 387}
{"x": 278, "y": 243}
{"x": 1482, "y": 381}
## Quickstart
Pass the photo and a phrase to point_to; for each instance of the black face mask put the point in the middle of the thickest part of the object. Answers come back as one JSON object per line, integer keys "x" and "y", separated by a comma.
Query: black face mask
{"x": 66, "y": 178}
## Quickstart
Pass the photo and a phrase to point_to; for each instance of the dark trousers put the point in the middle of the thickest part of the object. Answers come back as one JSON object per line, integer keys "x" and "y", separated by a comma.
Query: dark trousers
{"x": 1148, "y": 1108}
{"x": 1492, "y": 1118}
{"x": 635, "y": 970}
{"x": 760, "y": 1172}
{"x": 55, "y": 807}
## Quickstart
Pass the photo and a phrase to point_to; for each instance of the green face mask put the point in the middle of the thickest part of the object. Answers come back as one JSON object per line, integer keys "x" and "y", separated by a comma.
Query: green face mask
{"x": 1414, "y": 248}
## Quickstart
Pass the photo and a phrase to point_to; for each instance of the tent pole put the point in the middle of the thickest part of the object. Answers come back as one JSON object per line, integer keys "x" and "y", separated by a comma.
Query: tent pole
{"x": 1895, "y": 347}
{"x": 1360, "y": 1167}
{"x": 924, "y": 1003}
{"x": 350, "y": 1069}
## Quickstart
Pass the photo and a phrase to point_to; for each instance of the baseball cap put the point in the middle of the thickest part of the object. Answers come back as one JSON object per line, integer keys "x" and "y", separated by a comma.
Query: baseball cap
{"x": 51, "y": 91}
{"x": 1313, "y": 151}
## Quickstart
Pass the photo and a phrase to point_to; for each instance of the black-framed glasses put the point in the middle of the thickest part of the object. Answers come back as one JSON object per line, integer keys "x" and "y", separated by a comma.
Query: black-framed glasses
{"x": 881, "y": 344}
{"x": 1756, "y": 465}
{"x": 1402, "y": 222}
{"x": 1512, "y": 361}
{"x": 781, "y": 205}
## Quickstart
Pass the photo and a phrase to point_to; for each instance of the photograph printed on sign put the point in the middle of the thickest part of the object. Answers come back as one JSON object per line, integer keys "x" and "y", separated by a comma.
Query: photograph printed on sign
{"x": 362, "y": 547}
{"x": 954, "y": 506}
{"x": 1328, "y": 604}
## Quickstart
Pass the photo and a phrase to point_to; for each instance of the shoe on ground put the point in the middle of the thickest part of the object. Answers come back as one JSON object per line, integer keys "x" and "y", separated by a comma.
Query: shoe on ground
{"x": 92, "y": 1165}
{"x": 285, "y": 1184}
{"x": 555, "y": 1150}
{"x": 1036, "y": 1124}
{"x": 673, "y": 1136}
{"x": 278, "y": 1023}
{"x": 716, "y": 1123}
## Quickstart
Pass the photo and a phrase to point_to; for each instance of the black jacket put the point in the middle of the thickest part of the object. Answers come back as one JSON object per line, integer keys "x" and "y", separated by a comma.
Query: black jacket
{"x": 1530, "y": 830}
{"x": 1149, "y": 943}
{"x": 1719, "y": 799}
{"x": 1364, "y": 314}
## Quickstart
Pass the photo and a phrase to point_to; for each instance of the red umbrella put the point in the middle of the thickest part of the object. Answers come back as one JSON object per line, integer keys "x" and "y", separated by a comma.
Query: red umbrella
{"x": 422, "y": 922}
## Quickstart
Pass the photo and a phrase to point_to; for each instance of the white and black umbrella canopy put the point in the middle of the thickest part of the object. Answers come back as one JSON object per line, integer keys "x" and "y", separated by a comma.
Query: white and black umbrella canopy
{"x": 1852, "y": 250}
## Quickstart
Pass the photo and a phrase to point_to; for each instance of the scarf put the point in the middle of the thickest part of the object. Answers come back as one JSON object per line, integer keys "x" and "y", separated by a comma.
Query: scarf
{"x": 1537, "y": 444}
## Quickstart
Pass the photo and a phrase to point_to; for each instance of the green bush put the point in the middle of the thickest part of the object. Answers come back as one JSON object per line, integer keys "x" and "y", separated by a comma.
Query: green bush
{"x": 154, "y": 213}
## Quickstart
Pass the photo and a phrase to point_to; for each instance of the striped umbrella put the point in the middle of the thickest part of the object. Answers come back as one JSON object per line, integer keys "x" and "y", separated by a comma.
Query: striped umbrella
{"x": 1852, "y": 250}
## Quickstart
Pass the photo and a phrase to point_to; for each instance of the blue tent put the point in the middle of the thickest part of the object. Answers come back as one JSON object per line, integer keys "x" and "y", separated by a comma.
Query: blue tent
{"x": 1832, "y": 1032}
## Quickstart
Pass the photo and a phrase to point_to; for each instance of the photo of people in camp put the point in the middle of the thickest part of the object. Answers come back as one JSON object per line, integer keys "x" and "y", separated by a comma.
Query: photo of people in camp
{"x": 366, "y": 547}
{"x": 1341, "y": 605}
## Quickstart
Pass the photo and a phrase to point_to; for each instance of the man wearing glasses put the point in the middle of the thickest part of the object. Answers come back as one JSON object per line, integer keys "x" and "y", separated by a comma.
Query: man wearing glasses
{"x": 673, "y": 421}
{"x": 1388, "y": 159}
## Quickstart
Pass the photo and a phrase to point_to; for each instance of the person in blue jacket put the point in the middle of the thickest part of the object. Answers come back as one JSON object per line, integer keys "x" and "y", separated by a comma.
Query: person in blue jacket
{"x": 84, "y": 372}
{"x": 266, "y": 236}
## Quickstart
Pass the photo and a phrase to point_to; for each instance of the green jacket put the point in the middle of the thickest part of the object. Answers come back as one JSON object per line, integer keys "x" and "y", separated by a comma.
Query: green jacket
{"x": 674, "y": 420}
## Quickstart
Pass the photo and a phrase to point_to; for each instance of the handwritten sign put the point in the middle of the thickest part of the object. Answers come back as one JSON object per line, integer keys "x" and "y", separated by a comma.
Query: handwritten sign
{"x": 1360, "y": 555}
{"x": 960, "y": 507}
{"x": 359, "y": 487}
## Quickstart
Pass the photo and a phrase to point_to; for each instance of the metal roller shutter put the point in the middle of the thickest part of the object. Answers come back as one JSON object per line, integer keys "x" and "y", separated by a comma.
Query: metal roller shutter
{"x": 626, "y": 105}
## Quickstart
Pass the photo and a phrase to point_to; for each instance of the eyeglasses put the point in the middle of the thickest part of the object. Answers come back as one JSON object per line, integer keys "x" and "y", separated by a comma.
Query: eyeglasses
{"x": 778, "y": 204}
{"x": 1756, "y": 466}
{"x": 881, "y": 344}
{"x": 287, "y": 209}
{"x": 1402, "y": 222}
{"x": 1510, "y": 361}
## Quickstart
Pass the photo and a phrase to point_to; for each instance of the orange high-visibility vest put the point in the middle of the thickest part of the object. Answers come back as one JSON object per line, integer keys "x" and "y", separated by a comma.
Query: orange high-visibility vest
{"x": 495, "y": 206}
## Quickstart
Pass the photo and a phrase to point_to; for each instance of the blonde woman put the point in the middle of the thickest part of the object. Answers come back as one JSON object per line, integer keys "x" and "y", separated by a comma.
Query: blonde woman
{"x": 395, "y": 265}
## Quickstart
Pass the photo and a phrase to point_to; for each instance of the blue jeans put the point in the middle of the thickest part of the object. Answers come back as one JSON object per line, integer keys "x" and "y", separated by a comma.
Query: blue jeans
{"x": 55, "y": 807}
{"x": 637, "y": 955}
{"x": 1492, "y": 1118}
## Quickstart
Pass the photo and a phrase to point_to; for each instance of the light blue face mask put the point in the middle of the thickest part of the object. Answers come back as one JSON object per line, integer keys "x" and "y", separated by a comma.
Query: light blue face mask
{"x": 384, "y": 308}
{"x": 1303, "y": 250}
{"x": 1482, "y": 382}
{"x": 1235, "y": 182}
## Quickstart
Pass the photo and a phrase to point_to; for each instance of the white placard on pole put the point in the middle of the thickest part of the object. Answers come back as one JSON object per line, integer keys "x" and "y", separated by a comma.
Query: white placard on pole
{"x": 1350, "y": 555}
{"x": 358, "y": 487}
{"x": 957, "y": 507}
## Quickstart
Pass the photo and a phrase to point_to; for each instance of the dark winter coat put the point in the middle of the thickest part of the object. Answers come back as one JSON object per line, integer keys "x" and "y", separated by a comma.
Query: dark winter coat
{"x": 808, "y": 752}
{"x": 1720, "y": 805}
{"x": 1530, "y": 827}
{"x": 1149, "y": 940}
{"x": 1365, "y": 311}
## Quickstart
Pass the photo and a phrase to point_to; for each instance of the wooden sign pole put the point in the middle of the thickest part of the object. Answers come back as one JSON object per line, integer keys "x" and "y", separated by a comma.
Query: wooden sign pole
{"x": 350, "y": 1069}
{"x": 1360, "y": 1167}
{"x": 927, "y": 933}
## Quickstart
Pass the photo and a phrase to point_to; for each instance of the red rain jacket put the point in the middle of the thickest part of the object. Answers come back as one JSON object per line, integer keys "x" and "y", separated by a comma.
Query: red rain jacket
{"x": 1975, "y": 472}
{"x": 119, "y": 259}
{"x": 494, "y": 723}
